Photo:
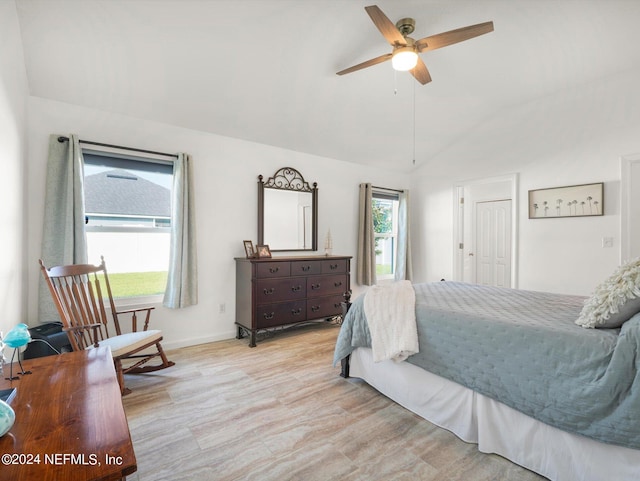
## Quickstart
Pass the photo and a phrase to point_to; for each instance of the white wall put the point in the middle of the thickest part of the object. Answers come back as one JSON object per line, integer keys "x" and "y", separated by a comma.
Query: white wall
{"x": 571, "y": 137}
{"x": 568, "y": 138}
{"x": 13, "y": 95}
{"x": 226, "y": 175}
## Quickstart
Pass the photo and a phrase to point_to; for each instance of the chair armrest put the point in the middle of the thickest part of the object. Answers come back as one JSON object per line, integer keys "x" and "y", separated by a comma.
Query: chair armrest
{"x": 134, "y": 318}
{"x": 86, "y": 327}
{"x": 139, "y": 309}
{"x": 93, "y": 327}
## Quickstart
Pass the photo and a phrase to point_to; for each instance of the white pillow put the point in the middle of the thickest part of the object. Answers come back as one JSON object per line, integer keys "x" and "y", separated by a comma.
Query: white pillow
{"x": 614, "y": 301}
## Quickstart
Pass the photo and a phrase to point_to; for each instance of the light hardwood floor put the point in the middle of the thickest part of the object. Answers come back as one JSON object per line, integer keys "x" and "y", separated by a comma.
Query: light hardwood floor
{"x": 279, "y": 412}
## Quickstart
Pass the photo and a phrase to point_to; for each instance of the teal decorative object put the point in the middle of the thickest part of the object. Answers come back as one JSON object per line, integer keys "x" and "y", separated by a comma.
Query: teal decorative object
{"x": 16, "y": 338}
{"x": 7, "y": 418}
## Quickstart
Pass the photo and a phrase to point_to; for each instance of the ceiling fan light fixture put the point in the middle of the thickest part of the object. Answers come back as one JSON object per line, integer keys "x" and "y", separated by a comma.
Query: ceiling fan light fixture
{"x": 404, "y": 58}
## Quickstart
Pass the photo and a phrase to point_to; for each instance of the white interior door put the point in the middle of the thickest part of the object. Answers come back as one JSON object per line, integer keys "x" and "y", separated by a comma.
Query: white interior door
{"x": 467, "y": 197}
{"x": 493, "y": 243}
{"x": 634, "y": 214}
{"x": 630, "y": 208}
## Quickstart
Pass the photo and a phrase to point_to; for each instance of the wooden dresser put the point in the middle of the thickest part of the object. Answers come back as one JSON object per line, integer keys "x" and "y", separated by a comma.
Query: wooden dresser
{"x": 278, "y": 291}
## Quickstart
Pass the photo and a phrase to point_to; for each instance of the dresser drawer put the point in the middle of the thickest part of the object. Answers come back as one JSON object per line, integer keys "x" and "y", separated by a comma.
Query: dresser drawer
{"x": 273, "y": 269}
{"x": 334, "y": 266}
{"x": 276, "y": 290}
{"x": 270, "y": 315}
{"x": 324, "y": 307}
{"x": 306, "y": 267}
{"x": 326, "y": 285}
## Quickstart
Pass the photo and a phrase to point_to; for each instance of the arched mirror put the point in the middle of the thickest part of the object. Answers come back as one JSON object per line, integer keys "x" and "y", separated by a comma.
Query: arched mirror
{"x": 287, "y": 212}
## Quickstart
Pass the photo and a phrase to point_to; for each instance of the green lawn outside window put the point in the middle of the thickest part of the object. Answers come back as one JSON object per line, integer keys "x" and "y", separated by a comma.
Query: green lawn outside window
{"x": 137, "y": 284}
{"x": 383, "y": 269}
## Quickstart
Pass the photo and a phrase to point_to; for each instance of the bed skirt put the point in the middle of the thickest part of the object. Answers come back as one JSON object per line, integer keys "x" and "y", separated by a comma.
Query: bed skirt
{"x": 495, "y": 427}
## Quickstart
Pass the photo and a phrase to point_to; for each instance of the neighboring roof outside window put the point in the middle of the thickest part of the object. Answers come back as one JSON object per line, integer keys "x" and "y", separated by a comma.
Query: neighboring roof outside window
{"x": 120, "y": 192}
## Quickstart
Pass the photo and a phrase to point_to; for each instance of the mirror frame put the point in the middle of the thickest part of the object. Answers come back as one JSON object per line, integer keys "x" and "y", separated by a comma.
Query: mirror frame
{"x": 288, "y": 178}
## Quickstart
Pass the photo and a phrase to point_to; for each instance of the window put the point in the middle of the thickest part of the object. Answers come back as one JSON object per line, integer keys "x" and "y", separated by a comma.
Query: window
{"x": 128, "y": 220}
{"x": 385, "y": 229}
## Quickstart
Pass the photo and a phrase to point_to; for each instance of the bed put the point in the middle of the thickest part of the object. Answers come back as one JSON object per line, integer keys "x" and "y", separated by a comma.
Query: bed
{"x": 511, "y": 371}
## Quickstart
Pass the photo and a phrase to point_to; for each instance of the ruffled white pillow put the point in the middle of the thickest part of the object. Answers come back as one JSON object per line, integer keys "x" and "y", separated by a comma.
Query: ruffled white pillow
{"x": 614, "y": 301}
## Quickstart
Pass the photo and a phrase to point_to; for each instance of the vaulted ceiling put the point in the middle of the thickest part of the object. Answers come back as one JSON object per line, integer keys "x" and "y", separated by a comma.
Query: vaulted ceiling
{"x": 265, "y": 70}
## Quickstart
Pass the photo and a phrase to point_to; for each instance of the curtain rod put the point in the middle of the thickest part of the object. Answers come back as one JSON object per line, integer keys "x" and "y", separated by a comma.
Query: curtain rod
{"x": 385, "y": 188}
{"x": 64, "y": 139}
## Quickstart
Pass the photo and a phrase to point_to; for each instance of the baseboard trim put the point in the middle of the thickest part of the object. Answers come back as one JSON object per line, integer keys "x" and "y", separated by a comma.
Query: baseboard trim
{"x": 194, "y": 341}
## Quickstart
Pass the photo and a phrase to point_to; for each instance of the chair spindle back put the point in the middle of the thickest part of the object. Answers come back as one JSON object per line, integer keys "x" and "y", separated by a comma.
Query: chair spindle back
{"x": 77, "y": 294}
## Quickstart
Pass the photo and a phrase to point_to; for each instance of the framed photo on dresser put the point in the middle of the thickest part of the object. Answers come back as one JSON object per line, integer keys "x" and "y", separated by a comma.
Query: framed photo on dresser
{"x": 263, "y": 251}
{"x": 248, "y": 249}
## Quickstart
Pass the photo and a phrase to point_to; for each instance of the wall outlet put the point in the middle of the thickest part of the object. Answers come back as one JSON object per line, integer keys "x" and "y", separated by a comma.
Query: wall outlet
{"x": 223, "y": 308}
{"x": 607, "y": 242}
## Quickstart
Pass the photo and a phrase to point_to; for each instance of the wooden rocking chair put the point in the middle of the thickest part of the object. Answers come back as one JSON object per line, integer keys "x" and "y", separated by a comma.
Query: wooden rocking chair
{"x": 78, "y": 296}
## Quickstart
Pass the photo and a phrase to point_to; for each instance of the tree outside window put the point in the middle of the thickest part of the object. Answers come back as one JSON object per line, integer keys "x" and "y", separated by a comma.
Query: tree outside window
{"x": 385, "y": 228}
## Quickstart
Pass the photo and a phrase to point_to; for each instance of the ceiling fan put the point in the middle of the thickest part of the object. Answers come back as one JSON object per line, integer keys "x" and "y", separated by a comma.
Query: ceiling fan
{"x": 405, "y": 49}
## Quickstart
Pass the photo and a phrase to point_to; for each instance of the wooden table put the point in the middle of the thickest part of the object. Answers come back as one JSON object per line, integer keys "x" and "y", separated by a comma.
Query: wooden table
{"x": 70, "y": 422}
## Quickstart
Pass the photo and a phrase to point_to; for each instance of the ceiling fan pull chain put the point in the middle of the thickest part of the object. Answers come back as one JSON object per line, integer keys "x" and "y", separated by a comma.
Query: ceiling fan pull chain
{"x": 414, "y": 123}
{"x": 395, "y": 82}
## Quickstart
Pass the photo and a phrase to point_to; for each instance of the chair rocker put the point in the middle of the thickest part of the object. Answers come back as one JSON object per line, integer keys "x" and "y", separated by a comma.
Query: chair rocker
{"x": 78, "y": 296}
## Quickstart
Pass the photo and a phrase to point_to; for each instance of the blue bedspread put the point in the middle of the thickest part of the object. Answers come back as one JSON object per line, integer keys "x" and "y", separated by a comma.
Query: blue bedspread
{"x": 523, "y": 349}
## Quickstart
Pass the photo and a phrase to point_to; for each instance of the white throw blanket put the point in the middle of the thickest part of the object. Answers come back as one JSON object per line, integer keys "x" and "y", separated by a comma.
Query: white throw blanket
{"x": 391, "y": 315}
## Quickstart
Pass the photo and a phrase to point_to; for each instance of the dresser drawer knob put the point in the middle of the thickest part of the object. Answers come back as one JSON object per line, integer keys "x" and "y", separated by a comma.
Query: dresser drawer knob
{"x": 269, "y": 316}
{"x": 337, "y": 284}
{"x": 273, "y": 270}
{"x": 268, "y": 292}
{"x": 315, "y": 308}
{"x": 306, "y": 268}
{"x": 315, "y": 286}
{"x": 296, "y": 312}
{"x": 296, "y": 288}
{"x": 333, "y": 267}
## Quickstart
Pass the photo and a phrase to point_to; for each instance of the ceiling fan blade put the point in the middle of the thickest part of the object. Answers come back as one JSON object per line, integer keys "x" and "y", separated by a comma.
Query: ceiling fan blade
{"x": 453, "y": 36}
{"x": 420, "y": 72}
{"x": 368, "y": 63}
{"x": 386, "y": 26}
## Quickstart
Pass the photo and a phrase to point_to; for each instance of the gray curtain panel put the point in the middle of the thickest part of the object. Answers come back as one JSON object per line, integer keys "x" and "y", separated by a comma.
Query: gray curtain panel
{"x": 182, "y": 283}
{"x": 403, "y": 256}
{"x": 63, "y": 238}
{"x": 366, "y": 264}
